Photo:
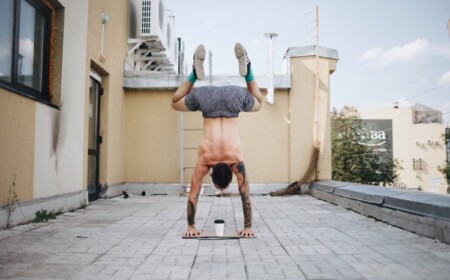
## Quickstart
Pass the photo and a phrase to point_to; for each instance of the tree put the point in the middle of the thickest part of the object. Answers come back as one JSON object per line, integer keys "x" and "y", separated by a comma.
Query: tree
{"x": 352, "y": 161}
{"x": 445, "y": 168}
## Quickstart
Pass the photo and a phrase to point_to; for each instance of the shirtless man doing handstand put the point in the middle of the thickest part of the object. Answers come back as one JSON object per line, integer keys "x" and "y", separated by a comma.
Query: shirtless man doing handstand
{"x": 220, "y": 147}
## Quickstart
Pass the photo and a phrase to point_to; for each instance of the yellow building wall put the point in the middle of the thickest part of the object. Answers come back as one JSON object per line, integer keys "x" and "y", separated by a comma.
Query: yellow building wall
{"x": 152, "y": 142}
{"x": 277, "y": 141}
{"x": 154, "y": 134}
{"x": 17, "y": 126}
{"x": 265, "y": 140}
{"x": 302, "y": 115}
{"x": 112, "y": 118}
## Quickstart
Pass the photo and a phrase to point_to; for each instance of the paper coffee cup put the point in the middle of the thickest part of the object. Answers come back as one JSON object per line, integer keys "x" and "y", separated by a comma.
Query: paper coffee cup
{"x": 219, "y": 226}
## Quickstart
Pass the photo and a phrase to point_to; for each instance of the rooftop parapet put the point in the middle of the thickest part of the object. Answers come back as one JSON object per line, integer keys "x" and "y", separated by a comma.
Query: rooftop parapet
{"x": 422, "y": 213}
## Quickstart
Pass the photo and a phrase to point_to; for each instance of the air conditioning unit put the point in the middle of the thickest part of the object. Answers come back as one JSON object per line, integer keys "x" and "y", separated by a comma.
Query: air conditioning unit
{"x": 153, "y": 44}
{"x": 148, "y": 20}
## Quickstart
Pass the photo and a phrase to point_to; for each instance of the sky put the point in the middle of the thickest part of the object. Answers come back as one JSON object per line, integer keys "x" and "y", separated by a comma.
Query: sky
{"x": 389, "y": 50}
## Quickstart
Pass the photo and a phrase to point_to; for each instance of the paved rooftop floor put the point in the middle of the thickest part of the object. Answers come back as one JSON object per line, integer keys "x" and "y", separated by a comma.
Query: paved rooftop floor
{"x": 299, "y": 237}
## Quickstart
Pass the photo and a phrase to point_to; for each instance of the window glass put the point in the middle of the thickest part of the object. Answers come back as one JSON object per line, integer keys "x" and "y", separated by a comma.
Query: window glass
{"x": 31, "y": 39}
{"x": 6, "y": 38}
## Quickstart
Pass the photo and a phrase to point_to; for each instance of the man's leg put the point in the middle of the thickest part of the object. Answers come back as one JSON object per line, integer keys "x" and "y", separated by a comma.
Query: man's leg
{"x": 197, "y": 73}
{"x": 245, "y": 70}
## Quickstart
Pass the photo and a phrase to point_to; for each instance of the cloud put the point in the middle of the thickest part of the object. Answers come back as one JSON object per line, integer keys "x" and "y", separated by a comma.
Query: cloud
{"x": 406, "y": 53}
{"x": 444, "y": 79}
{"x": 440, "y": 49}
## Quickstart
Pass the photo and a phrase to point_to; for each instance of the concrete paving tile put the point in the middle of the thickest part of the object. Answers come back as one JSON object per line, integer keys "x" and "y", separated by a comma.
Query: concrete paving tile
{"x": 293, "y": 273}
{"x": 185, "y": 261}
{"x": 11, "y": 270}
{"x": 350, "y": 273}
{"x": 42, "y": 270}
{"x": 180, "y": 273}
{"x": 71, "y": 258}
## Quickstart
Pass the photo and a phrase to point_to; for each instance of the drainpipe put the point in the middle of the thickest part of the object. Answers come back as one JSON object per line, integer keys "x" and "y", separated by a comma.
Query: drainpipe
{"x": 270, "y": 98}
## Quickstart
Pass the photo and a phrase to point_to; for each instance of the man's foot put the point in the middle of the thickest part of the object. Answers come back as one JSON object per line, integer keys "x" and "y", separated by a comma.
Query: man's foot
{"x": 241, "y": 55}
{"x": 199, "y": 58}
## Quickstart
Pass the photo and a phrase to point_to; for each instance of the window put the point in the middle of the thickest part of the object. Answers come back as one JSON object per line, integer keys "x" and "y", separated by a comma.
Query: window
{"x": 24, "y": 47}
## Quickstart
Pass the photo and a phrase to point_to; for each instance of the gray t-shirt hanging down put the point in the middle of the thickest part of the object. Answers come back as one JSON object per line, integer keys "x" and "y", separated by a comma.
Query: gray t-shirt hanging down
{"x": 220, "y": 101}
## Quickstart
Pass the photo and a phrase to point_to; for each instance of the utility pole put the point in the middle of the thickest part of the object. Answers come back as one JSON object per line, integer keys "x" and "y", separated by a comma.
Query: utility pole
{"x": 317, "y": 143}
{"x": 316, "y": 119}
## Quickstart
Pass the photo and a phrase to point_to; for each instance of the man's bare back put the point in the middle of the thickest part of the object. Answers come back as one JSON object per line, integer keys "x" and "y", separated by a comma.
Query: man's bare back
{"x": 220, "y": 142}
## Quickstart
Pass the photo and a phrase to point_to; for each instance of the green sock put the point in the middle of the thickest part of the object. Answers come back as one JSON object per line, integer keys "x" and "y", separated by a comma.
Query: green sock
{"x": 249, "y": 76}
{"x": 191, "y": 77}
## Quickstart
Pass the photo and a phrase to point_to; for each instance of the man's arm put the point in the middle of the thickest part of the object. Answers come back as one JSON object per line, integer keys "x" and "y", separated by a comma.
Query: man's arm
{"x": 244, "y": 191}
{"x": 178, "y": 97}
{"x": 196, "y": 182}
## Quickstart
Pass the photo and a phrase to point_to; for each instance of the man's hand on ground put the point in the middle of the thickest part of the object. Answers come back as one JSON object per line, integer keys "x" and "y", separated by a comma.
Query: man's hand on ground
{"x": 193, "y": 232}
{"x": 246, "y": 232}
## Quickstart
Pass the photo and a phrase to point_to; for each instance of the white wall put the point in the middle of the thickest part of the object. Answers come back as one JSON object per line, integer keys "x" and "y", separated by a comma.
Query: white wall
{"x": 59, "y": 146}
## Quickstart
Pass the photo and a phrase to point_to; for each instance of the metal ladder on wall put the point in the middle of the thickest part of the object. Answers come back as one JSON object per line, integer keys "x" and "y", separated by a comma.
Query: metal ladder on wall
{"x": 190, "y": 137}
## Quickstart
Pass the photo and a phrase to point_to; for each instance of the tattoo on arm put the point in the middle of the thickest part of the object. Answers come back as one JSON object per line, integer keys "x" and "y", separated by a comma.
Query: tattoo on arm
{"x": 245, "y": 196}
{"x": 191, "y": 210}
{"x": 247, "y": 208}
{"x": 241, "y": 170}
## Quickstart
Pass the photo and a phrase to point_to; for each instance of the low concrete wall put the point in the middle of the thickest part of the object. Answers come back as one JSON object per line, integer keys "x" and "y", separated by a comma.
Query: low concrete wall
{"x": 422, "y": 213}
{"x": 26, "y": 211}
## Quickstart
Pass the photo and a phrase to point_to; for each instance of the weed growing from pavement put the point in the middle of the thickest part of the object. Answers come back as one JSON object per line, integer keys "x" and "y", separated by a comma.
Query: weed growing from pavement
{"x": 12, "y": 200}
{"x": 44, "y": 216}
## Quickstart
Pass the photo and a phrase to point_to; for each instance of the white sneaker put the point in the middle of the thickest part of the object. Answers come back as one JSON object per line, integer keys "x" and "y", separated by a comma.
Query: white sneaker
{"x": 241, "y": 55}
{"x": 199, "y": 58}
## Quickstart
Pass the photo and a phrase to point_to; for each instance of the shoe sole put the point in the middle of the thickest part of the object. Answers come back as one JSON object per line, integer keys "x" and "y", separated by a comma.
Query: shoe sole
{"x": 199, "y": 58}
{"x": 241, "y": 56}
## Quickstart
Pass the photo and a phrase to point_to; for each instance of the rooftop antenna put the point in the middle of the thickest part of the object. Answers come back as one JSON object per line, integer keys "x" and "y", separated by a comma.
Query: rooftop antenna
{"x": 210, "y": 67}
{"x": 448, "y": 27}
{"x": 270, "y": 84}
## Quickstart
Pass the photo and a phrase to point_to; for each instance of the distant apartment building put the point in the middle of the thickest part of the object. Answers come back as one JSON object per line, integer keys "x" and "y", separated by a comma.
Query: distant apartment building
{"x": 414, "y": 137}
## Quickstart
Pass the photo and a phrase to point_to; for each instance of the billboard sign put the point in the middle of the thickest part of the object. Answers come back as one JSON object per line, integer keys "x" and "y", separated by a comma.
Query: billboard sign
{"x": 378, "y": 134}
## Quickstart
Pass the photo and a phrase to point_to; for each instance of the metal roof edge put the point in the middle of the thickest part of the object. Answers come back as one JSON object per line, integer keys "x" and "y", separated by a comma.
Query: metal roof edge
{"x": 142, "y": 80}
{"x": 303, "y": 51}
